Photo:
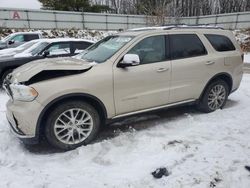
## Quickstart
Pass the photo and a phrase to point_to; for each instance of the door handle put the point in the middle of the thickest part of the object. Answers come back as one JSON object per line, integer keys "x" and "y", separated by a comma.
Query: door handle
{"x": 210, "y": 62}
{"x": 162, "y": 69}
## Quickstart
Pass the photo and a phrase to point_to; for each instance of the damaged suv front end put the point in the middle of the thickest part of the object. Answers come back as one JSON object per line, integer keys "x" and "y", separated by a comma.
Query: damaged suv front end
{"x": 23, "y": 107}
{"x": 20, "y": 108}
{"x": 64, "y": 99}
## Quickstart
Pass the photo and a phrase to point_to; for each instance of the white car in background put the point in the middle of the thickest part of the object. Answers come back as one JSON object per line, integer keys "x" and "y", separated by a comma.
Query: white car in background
{"x": 16, "y": 39}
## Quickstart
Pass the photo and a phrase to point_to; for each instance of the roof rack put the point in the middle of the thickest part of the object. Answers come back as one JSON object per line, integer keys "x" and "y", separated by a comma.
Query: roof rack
{"x": 190, "y": 26}
{"x": 176, "y": 26}
{"x": 147, "y": 28}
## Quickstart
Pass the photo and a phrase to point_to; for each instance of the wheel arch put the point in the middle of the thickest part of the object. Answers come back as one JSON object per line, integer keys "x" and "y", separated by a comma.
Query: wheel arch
{"x": 4, "y": 70}
{"x": 223, "y": 76}
{"x": 92, "y": 100}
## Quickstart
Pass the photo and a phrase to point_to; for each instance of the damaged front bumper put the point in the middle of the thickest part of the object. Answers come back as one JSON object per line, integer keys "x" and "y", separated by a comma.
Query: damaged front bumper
{"x": 27, "y": 139}
{"x": 21, "y": 117}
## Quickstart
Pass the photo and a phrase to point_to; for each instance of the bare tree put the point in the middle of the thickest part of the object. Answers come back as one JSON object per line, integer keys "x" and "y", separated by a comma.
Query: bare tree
{"x": 175, "y": 8}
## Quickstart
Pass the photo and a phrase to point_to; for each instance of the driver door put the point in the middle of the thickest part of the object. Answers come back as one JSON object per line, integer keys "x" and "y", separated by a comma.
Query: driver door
{"x": 146, "y": 85}
{"x": 16, "y": 41}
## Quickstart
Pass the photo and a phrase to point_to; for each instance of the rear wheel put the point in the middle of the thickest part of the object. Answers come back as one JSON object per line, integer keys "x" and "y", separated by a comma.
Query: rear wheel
{"x": 72, "y": 124}
{"x": 214, "y": 97}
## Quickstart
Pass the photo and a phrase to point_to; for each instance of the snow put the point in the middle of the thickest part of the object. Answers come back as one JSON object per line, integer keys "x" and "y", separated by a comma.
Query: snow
{"x": 198, "y": 149}
{"x": 92, "y": 35}
{"x": 247, "y": 58}
{"x": 241, "y": 36}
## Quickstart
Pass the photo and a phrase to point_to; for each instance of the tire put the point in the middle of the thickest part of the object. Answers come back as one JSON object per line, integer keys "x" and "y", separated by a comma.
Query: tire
{"x": 221, "y": 88}
{"x": 66, "y": 134}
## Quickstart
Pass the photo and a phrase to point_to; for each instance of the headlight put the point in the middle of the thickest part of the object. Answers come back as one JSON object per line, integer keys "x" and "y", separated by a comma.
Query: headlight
{"x": 23, "y": 93}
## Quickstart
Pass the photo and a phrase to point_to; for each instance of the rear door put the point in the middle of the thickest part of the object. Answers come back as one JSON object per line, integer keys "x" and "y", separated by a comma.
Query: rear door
{"x": 146, "y": 85}
{"x": 189, "y": 66}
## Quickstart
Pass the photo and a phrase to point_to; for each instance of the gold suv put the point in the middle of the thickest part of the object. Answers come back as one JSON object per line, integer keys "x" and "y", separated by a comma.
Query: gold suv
{"x": 67, "y": 100}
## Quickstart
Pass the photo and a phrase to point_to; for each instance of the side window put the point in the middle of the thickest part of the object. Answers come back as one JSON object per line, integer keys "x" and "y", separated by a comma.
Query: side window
{"x": 59, "y": 49}
{"x": 30, "y": 37}
{"x": 151, "y": 49}
{"x": 186, "y": 45}
{"x": 18, "y": 38}
{"x": 78, "y": 47}
{"x": 220, "y": 43}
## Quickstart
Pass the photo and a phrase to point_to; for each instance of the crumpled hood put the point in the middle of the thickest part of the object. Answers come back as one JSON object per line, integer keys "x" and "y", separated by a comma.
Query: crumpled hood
{"x": 27, "y": 71}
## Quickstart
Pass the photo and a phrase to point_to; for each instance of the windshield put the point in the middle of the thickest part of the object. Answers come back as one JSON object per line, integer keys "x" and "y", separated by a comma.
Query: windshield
{"x": 7, "y": 38}
{"x": 24, "y": 46}
{"x": 104, "y": 49}
{"x": 37, "y": 48}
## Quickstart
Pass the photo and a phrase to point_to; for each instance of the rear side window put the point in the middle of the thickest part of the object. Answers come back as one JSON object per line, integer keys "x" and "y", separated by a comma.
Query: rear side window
{"x": 186, "y": 45}
{"x": 30, "y": 37}
{"x": 220, "y": 43}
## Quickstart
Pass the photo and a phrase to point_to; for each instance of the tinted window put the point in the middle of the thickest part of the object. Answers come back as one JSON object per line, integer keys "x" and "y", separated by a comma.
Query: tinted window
{"x": 30, "y": 37}
{"x": 150, "y": 50}
{"x": 186, "y": 45}
{"x": 220, "y": 43}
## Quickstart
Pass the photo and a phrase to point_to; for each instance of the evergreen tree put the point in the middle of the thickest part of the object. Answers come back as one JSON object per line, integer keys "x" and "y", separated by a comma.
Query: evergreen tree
{"x": 73, "y": 5}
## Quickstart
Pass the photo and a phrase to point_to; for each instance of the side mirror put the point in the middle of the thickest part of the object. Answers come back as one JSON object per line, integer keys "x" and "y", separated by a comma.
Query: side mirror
{"x": 11, "y": 42}
{"x": 129, "y": 60}
{"x": 45, "y": 53}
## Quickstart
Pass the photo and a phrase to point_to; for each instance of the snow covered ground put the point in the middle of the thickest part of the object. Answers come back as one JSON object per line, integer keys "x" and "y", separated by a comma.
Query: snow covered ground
{"x": 200, "y": 150}
{"x": 247, "y": 58}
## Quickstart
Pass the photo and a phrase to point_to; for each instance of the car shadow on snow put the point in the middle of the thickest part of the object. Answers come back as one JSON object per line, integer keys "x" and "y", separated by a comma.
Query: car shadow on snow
{"x": 231, "y": 103}
{"x": 128, "y": 124}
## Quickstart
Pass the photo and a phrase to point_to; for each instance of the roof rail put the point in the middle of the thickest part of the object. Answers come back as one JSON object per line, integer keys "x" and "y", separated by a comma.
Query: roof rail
{"x": 176, "y": 26}
{"x": 147, "y": 28}
{"x": 194, "y": 26}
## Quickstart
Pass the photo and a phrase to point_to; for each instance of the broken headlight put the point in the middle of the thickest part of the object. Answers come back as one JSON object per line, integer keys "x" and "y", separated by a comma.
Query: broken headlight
{"x": 23, "y": 93}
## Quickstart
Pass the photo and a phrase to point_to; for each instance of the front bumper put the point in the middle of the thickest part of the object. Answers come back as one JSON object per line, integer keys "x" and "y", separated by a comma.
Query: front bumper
{"x": 24, "y": 138}
{"x": 27, "y": 139}
{"x": 22, "y": 117}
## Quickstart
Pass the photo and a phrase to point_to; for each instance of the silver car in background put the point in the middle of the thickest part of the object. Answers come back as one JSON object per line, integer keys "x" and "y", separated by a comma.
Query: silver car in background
{"x": 16, "y": 39}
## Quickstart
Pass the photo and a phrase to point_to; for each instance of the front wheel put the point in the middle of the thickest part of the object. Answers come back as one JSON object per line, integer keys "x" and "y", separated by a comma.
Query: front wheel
{"x": 214, "y": 97}
{"x": 72, "y": 124}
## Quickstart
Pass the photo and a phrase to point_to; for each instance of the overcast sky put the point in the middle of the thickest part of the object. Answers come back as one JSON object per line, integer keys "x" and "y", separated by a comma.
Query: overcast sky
{"x": 29, "y": 4}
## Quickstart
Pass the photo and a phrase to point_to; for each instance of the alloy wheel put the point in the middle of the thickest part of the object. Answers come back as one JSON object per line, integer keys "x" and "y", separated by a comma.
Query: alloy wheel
{"x": 73, "y": 126}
